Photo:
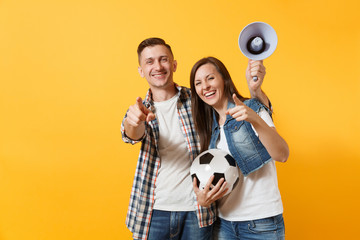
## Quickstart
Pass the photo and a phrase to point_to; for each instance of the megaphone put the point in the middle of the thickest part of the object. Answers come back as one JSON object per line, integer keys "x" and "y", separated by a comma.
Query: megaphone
{"x": 257, "y": 41}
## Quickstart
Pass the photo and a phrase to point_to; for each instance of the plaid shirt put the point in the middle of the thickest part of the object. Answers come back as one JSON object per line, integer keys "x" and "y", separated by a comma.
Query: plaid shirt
{"x": 143, "y": 189}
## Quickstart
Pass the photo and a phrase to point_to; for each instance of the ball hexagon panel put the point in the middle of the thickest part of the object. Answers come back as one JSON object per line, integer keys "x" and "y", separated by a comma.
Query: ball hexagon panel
{"x": 206, "y": 158}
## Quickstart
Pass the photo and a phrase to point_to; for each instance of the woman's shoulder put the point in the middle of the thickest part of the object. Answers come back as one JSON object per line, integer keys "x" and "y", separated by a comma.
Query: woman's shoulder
{"x": 253, "y": 102}
{"x": 256, "y": 105}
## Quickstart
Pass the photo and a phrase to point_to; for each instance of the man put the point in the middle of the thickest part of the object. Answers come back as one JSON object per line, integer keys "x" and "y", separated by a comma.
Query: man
{"x": 162, "y": 203}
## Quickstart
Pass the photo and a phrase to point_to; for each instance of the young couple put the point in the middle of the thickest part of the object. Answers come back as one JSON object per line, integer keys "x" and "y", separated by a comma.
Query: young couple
{"x": 174, "y": 124}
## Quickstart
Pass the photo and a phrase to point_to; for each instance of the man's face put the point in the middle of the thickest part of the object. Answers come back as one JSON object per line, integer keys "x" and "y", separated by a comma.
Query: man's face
{"x": 157, "y": 66}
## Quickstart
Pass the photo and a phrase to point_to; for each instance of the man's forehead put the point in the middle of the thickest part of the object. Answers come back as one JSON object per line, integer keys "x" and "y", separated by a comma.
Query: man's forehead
{"x": 155, "y": 52}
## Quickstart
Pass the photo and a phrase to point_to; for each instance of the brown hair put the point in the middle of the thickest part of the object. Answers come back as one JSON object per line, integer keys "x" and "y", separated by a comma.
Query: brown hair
{"x": 203, "y": 113}
{"x": 149, "y": 42}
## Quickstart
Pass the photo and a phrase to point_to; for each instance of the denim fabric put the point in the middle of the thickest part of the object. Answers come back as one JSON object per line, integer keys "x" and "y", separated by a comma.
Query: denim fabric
{"x": 177, "y": 225}
{"x": 271, "y": 228}
{"x": 249, "y": 153}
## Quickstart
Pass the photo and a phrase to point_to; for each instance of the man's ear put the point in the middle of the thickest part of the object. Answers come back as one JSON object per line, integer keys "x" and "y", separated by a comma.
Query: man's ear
{"x": 174, "y": 65}
{"x": 141, "y": 72}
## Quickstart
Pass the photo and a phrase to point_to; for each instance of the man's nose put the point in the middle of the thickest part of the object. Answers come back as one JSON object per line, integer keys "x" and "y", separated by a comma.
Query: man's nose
{"x": 158, "y": 65}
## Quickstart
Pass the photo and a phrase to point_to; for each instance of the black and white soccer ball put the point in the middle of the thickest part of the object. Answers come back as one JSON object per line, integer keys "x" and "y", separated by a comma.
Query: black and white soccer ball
{"x": 218, "y": 163}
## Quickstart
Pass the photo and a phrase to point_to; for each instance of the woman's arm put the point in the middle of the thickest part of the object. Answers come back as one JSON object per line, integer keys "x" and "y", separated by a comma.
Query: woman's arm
{"x": 272, "y": 141}
{"x": 257, "y": 68}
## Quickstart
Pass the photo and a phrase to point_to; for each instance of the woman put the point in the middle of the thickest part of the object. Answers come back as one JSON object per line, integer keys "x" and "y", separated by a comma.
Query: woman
{"x": 226, "y": 120}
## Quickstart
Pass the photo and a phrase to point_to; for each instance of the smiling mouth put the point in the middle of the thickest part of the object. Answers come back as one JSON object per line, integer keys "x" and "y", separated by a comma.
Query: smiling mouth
{"x": 157, "y": 75}
{"x": 209, "y": 94}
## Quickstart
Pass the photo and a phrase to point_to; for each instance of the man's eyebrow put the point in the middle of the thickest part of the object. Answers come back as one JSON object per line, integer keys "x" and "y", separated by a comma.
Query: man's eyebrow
{"x": 161, "y": 56}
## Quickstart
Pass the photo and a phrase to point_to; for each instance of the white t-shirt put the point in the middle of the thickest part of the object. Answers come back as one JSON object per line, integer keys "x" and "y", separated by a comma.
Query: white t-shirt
{"x": 257, "y": 195}
{"x": 173, "y": 186}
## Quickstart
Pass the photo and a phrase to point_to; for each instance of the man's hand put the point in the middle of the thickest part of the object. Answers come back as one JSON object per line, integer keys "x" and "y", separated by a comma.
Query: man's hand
{"x": 135, "y": 118}
{"x": 206, "y": 196}
{"x": 138, "y": 113}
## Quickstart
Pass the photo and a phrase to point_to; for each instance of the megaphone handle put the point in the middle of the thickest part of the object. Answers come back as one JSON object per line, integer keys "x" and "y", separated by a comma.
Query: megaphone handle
{"x": 255, "y": 78}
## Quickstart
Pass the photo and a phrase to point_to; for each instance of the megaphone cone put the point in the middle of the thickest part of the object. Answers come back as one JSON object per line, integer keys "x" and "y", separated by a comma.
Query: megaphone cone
{"x": 257, "y": 40}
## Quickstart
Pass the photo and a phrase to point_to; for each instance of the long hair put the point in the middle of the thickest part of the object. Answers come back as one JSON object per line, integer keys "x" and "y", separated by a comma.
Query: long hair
{"x": 203, "y": 113}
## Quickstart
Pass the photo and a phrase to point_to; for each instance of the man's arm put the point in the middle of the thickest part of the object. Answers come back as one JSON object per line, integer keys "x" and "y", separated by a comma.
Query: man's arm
{"x": 257, "y": 68}
{"x": 134, "y": 126}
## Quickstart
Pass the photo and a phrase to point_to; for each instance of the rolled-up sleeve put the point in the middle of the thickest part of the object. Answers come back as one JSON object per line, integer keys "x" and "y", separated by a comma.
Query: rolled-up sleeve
{"x": 125, "y": 138}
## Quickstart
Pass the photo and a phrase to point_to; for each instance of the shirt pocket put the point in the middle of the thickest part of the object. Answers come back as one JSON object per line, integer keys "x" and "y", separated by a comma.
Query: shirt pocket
{"x": 242, "y": 141}
{"x": 239, "y": 133}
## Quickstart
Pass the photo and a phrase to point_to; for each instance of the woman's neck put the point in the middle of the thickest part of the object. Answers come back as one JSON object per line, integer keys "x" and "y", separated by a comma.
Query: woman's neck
{"x": 221, "y": 110}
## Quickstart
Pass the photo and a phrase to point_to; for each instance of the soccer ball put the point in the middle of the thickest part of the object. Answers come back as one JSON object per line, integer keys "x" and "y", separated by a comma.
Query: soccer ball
{"x": 218, "y": 163}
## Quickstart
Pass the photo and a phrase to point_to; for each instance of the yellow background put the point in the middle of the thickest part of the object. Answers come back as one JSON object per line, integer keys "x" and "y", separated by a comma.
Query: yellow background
{"x": 68, "y": 72}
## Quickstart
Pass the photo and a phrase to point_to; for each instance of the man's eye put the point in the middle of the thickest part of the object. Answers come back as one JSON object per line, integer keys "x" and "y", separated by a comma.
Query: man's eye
{"x": 164, "y": 59}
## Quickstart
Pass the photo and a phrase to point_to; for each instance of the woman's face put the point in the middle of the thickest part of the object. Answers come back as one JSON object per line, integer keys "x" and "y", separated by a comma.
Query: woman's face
{"x": 209, "y": 86}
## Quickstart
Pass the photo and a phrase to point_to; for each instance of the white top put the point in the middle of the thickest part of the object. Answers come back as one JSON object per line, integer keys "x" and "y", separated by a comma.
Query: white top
{"x": 173, "y": 186}
{"x": 257, "y": 195}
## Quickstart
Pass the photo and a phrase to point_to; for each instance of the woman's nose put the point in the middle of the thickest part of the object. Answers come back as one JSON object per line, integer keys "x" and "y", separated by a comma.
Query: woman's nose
{"x": 205, "y": 85}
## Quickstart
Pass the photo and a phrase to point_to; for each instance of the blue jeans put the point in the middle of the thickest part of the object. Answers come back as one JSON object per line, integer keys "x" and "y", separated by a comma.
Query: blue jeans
{"x": 177, "y": 225}
{"x": 271, "y": 228}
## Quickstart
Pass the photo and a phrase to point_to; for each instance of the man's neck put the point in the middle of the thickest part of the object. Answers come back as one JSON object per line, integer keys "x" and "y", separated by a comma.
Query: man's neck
{"x": 163, "y": 94}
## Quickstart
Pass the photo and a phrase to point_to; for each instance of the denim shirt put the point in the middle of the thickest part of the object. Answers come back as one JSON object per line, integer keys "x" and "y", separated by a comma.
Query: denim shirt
{"x": 249, "y": 153}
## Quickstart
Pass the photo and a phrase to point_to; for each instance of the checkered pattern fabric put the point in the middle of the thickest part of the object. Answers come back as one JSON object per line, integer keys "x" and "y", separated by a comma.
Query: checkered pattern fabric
{"x": 143, "y": 189}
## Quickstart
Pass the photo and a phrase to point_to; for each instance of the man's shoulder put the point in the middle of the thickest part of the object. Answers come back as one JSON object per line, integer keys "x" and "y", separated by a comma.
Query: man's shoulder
{"x": 185, "y": 92}
{"x": 182, "y": 88}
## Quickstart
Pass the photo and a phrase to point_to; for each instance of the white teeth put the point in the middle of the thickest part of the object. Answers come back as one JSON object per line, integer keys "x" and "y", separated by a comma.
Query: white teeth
{"x": 158, "y": 75}
{"x": 209, "y": 94}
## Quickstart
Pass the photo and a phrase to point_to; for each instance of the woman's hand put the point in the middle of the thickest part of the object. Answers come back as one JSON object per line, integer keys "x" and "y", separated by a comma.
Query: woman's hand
{"x": 207, "y": 196}
{"x": 255, "y": 69}
{"x": 242, "y": 112}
